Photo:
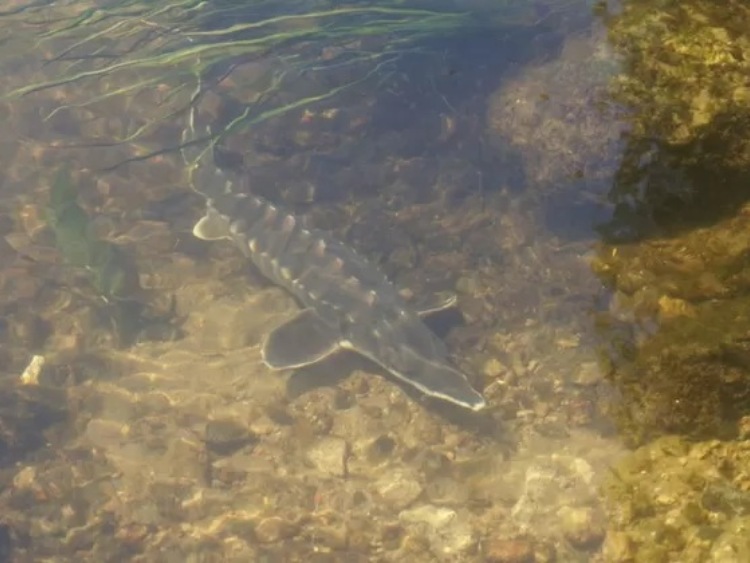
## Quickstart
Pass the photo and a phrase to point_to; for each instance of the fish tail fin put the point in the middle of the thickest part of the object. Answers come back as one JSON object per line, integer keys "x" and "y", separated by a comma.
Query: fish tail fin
{"x": 197, "y": 148}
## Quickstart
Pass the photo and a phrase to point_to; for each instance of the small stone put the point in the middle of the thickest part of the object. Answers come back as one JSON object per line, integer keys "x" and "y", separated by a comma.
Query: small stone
{"x": 670, "y": 308}
{"x": 274, "y": 529}
{"x": 186, "y": 459}
{"x": 329, "y": 456}
{"x": 32, "y": 219}
{"x": 30, "y": 375}
{"x": 734, "y": 542}
{"x": 331, "y": 537}
{"x": 493, "y": 368}
{"x": 105, "y": 433}
{"x": 445, "y": 531}
{"x": 580, "y": 527}
{"x": 26, "y": 478}
{"x": 743, "y": 427}
{"x": 589, "y": 373}
{"x": 446, "y": 491}
{"x": 467, "y": 286}
{"x": 434, "y": 516}
{"x": 224, "y": 437}
{"x": 263, "y": 426}
{"x": 398, "y": 489}
{"x": 380, "y": 449}
{"x": 568, "y": 342}
{"x": 517, "y": 550}
{"x": 403, "y": 257}
{"x": 391, "y": 536}
{"x": 618, "y": 548}
{"x": 545, "y": 553}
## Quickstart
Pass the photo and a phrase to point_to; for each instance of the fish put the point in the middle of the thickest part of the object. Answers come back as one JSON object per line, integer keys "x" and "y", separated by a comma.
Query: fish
{"x": 346, "y": 302}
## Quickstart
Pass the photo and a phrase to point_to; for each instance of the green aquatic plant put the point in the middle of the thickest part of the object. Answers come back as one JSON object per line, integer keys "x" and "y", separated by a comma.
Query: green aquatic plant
{"x": 148, "y": 57}
{"x": 117, "y": 299}
{"x": 128, "y": 48}
{"x": 107, "y": 267}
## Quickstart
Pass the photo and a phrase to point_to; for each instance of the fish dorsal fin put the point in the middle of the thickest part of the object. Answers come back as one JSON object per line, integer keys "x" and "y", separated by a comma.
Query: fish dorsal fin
{"x": 212, "y": 226}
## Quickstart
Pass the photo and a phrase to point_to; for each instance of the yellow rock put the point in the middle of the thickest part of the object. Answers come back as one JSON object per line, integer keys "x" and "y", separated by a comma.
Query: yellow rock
{"x": 670, "y": 308}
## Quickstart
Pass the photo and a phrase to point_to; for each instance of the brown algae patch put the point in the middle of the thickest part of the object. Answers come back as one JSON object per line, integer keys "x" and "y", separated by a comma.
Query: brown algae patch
{"x": 683, "y": 368}
{"x": 674, "y": 500}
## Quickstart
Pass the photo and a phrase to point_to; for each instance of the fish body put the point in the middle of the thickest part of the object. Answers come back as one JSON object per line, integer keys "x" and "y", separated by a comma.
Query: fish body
{"x": 347, "y": 302}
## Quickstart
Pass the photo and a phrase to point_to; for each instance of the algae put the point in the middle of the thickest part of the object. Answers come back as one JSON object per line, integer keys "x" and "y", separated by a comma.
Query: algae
{"x": 683, "y": 365}
{"x": 673, "y": 500}
{"x": 108, "y": 268}
{"x": 675, "y": 252}
{"x": 684, "y": 84}
{"x": 109, "y": 271}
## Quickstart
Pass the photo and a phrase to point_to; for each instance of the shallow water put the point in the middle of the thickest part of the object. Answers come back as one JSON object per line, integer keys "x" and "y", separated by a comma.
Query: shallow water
{"x": 479, "y": 149}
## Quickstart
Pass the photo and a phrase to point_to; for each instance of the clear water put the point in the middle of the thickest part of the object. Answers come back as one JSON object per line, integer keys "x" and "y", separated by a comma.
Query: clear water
{"x": 481, "y": 148}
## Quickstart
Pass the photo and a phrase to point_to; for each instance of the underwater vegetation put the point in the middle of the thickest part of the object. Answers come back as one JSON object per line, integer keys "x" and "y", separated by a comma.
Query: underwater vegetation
{"x": 107, "y": 268}
{"x": 677, "y": 250}
{"x": 684, "y": 83}
{"x": 129, "y": 49}
{"x": 273, "y": 57}
{"x": 676, "y": 500}
{"x": 676, "y": 256}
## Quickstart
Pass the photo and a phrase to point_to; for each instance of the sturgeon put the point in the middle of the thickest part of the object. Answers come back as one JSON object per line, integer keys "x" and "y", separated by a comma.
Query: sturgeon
{"x": 347, "y": 303}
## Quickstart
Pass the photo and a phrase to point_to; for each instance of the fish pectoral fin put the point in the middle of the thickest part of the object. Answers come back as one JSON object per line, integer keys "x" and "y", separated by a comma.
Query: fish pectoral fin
{"x": 302, "y": 341}
{"x": 212, "y": 226}
{"x": 435, "y": 303}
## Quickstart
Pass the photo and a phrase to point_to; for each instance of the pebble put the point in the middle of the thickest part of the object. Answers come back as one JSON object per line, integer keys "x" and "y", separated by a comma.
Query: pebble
{"x": 446, "y": 532}
{"x": 671, "y": 308}
{"x": 398, "y": 488}
{"x": 273, "y": 529}
{"x": 743, "y": 426}
{"x": 30, "y": 375}
{"x": 466, "y": 285}
{"x": 446, "y": 491}
{"x": 516, "y": 550}
{"x": 263, "y": 426}
{"x": 493, "y": 368}
{"x": 588, "y": 374}
{"x": 105, "y": 433}
{"x": 581, "y": 527}
{"x": 380, "y": 449}
{"x": 329, "y": 456}
{"x": 434, "y": 516}
{"x": 331, "y": 537}
{"x": 618, "y": 548}
{"x": 32, "y": 219}
{"x": 25, "y": 479}
{"x": 224, "y": 437}
{"x": 186, "y": 459}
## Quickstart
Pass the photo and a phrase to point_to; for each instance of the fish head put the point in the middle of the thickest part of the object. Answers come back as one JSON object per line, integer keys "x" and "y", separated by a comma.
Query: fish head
{"x": 436, "y": 377}
{"x": 415, "y": 356}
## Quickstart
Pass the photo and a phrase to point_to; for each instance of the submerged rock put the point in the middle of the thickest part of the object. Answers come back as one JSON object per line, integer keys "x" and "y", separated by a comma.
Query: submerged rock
{"x": 328, "y": 455}
{"x": 447, "y": 533}
{"x": 398, "y": 488}
{"x": 692, "y": 498}
{"x": 677, "y": 330}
